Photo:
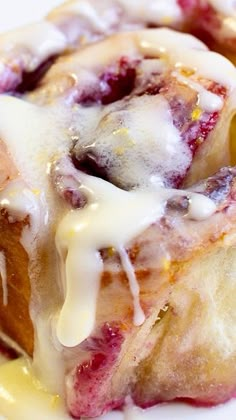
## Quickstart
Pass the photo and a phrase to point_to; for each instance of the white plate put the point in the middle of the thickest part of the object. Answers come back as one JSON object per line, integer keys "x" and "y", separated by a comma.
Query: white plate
{"x": 18, "y": 12}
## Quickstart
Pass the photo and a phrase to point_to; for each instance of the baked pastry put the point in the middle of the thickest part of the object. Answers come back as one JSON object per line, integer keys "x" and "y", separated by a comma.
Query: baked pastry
{"x": 26, "y": 54}
{"x": 216, "y": 24}
{"x": 212, "y": 20}
{"x": 114, "y": 216}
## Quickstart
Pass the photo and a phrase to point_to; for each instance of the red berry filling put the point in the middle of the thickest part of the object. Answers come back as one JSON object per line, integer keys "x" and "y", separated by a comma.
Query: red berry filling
{"x": 91, "y": 378}
{"x": 31, "y": 80}
{"x": 122, "y": 81}
{"x": 114, "y": 84}
{"x": 14, "y": 79}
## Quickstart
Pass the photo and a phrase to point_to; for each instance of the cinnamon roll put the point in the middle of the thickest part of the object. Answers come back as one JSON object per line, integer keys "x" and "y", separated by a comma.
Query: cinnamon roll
{"x": 117, "y": 211}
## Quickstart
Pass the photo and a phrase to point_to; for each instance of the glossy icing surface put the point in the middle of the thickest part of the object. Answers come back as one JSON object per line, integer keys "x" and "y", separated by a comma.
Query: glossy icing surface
{"x": 195, "y": 212}
{"x": 22, "y": 396}
{"x": 26, "y": 398}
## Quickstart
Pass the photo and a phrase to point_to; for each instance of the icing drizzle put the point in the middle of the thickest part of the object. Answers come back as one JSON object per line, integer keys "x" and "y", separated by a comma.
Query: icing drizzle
{"x": 23, "y": 396}
{"x": 112, "y": 218}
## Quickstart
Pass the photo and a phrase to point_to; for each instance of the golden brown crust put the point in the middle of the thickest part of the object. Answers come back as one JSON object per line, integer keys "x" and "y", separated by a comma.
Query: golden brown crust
{"x": 201, "y": 310}
{"x": 14, "y": 317}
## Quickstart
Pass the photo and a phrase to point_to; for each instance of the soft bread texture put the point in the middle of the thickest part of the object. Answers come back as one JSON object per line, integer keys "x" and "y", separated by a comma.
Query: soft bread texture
{"x": 173, "y": 259}
{"x": 186, "y": 325}
{"x": 14, "y": 316}
{"x": 197, "y": 285}
{"x": 195, "y": 336}
{"x": 78, "y": 22}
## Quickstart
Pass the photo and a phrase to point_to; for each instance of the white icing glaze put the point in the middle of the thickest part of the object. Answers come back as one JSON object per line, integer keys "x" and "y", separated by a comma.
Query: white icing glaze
{"x": 3, "y": 275}
{"x": 160, "y": 12}
{"x": 145, "y": 10}
{"x": 139, "y": 316}
{"x": 138, "y": 141}
{"x": 85, "y": 9}
{"x": 86, "y": 20}
{"x": 22, "y": 396}
{"x": 41, "y": 133}
{"x": 35, "y": 138}
{"x": 45, "y": 132}
{"x": 112, "y": 218}
{"x": 227, "y": 7}
{"x": 38, "y": 42}
{"x": 21, "y": 202}
{"x": 178, "y": 50}
{"x": 103, "y": 16}
{"x": 47, "y": 364}
{"x": 152, "y": 66}
{"x": 27, "y": 399}
{"x": 186, "y": 51}
{"x": 207, "y": 101}
{"x": 200, "y": 207}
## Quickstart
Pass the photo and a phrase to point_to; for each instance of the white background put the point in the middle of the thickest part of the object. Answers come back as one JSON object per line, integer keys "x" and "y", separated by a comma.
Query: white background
{"x": 14, "y": 13}
{"x": 18, "y": 12}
